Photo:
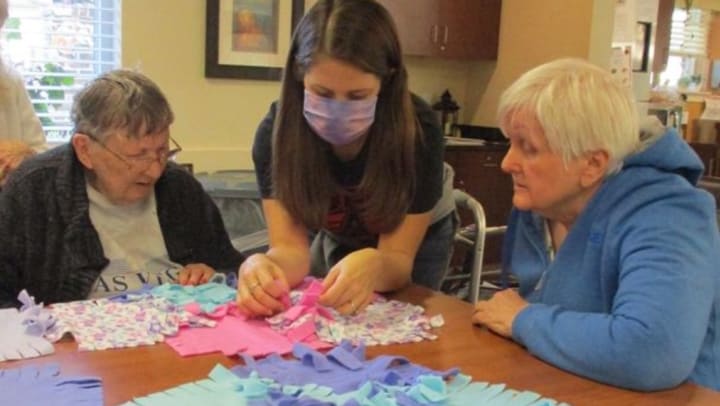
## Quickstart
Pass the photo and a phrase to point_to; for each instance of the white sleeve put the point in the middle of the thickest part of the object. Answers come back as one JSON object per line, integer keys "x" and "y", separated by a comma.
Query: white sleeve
{"x": 31, "y": 131}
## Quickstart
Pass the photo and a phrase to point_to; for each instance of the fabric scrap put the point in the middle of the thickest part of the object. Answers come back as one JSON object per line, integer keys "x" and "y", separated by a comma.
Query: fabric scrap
{"x": 236, "y": 333}
{"x": 30, "y": 386}
{"x": 23, "y": 330}
{"x": 222, "y": 388}
{"x": 208, "y": 296}
{"x": 103, "y": 324}
{"x": 225, "y": 388}
{"x": 382, "y": 322}
{"x": 343, "y": 369}
{"x": 299, "y": 320}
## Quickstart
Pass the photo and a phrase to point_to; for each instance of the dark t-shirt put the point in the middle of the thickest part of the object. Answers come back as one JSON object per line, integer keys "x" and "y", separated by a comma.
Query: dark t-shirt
{"x": 343, "y": 220}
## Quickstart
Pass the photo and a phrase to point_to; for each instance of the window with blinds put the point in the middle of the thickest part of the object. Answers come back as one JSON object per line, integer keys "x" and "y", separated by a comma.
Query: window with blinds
{"x": 687, "y": 63}
{"x": 689, "y": 32}
{"x": 58, "y": 46}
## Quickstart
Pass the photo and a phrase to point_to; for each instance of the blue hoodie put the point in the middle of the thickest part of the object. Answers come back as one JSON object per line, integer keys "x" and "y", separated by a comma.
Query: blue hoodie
{"x": 633, "y": 295}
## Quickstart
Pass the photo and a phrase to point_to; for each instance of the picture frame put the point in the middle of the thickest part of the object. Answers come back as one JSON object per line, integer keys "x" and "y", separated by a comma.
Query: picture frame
{"x": 249, "y": 39}
{"x": 641, "y": 52}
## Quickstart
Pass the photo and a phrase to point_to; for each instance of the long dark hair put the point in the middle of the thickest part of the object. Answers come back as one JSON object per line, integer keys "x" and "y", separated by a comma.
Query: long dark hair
{"x": 361, "y": 33}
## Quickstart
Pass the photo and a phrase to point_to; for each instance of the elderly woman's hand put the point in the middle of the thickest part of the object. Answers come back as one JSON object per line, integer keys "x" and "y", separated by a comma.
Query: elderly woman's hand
{"x": 261, "y": 285}
{"x": 499, "y": 312}
{"x": 195, "y": 274}
{"x": 12, "y": 153}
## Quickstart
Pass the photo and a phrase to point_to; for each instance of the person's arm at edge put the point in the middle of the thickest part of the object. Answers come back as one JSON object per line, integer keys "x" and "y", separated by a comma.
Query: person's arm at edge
{"x": 32, "y": 132}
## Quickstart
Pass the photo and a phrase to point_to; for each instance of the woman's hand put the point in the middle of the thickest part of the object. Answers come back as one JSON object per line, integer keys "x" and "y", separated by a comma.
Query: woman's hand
{"x": 195, "y": 274}
{"x": 261, "y": 284}
{"x": 350, "y": 284}
{"x": 499, "y": 312}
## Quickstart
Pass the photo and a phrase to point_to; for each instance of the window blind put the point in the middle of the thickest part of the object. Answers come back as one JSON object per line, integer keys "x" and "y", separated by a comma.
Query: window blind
{"x": 689, "y": 32}
{"x": 58, "y": 46}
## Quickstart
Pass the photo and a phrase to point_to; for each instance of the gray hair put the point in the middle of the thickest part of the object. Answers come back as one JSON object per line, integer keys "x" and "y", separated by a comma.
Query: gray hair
{"x": 121, "y": 100}
{"x": 580, "y": 108}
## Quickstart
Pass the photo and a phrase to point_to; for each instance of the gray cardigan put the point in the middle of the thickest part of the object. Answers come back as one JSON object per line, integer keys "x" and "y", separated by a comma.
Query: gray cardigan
{"x": 49, "y": 246}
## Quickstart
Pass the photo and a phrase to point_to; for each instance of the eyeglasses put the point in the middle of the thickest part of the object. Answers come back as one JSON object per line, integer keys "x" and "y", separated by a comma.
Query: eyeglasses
{"x": 142, "y": 163}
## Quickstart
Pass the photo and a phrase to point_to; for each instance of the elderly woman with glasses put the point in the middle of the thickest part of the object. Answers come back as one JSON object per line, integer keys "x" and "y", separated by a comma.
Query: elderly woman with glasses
{"x": 109, "y": 212}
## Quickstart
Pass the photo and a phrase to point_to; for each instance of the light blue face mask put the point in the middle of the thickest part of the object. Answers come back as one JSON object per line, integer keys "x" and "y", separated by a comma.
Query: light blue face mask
{"x": 338, "y": 122}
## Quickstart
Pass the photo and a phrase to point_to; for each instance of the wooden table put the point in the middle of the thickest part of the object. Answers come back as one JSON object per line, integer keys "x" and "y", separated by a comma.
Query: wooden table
{"x": 129, "y": 373}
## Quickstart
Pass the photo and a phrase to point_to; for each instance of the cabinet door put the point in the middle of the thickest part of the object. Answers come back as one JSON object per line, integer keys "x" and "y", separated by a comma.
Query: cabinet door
{"x": 417, "y": 24}
{"x": 469, "y": 29}
{"x": 458, "y": 29}
{"x": 478, "y": 172}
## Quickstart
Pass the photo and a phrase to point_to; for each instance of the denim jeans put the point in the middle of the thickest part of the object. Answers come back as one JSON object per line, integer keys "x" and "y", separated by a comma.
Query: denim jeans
{"x": 431, "y": 260}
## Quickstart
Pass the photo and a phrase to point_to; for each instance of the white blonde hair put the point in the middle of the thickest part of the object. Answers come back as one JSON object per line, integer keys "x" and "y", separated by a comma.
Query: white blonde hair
{"x": 580, "y": 108}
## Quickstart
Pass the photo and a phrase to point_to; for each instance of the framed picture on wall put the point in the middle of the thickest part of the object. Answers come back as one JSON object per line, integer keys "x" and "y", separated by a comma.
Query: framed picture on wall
{"x": 249, "y": 39}
{"x": 641, "y": 47}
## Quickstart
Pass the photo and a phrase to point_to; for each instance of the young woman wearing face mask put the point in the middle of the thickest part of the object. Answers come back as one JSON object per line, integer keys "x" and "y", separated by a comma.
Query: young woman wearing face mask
{"x": 350, "y": 169}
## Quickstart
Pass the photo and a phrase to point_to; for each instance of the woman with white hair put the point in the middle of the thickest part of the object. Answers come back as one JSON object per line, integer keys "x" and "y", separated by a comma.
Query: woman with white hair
{"x": 615, "y": 250}
{"x": 20, "y": 132}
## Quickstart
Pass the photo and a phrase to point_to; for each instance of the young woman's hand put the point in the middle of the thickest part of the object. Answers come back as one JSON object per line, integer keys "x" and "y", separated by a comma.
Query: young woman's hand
{"x": 350, "y": 284}
{"x": 261, "y": 284}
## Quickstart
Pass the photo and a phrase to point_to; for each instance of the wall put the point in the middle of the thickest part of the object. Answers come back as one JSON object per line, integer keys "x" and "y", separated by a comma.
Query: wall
{"x": 216, "y": 118}
{"x": 534, "y": 32}
{"x": 714, "y": 42}
{"x": 628, "y": 14}
{"x": 714, "y": 46}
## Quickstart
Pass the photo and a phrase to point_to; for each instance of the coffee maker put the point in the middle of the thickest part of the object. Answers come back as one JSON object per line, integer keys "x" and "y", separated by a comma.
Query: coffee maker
{"x": 448, "y": 109}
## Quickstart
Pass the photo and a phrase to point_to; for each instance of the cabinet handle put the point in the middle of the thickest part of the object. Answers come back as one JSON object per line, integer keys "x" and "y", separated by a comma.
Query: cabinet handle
{"x": 434, "y": 33}
{"x": 445, "y": 34}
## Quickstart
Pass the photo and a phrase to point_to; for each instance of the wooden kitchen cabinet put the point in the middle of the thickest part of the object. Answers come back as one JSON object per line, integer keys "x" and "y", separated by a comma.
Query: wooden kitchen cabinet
{"x": 709, "y": 154}
{"x": 457, "y": 29}
{"x": 477, "y": 172}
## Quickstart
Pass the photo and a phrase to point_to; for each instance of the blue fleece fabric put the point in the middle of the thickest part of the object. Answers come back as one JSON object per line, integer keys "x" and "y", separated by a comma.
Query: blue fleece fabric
{"x": 632, "y": 298}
